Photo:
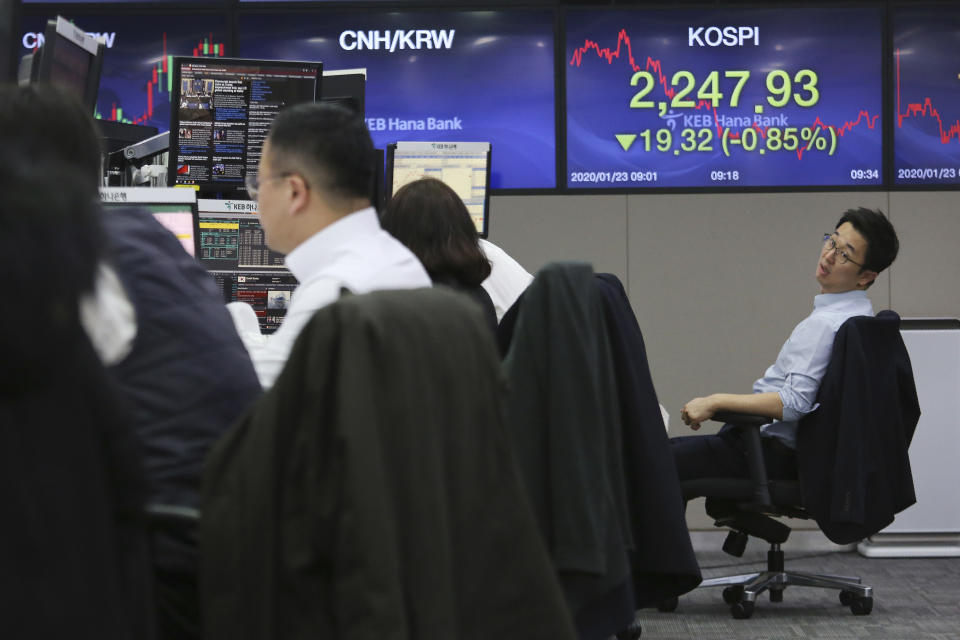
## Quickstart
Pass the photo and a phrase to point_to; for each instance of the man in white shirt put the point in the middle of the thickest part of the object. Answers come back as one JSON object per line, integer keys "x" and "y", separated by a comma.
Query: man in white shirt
{"x": 313, "y": 192}
{"x": 863, "y": 244}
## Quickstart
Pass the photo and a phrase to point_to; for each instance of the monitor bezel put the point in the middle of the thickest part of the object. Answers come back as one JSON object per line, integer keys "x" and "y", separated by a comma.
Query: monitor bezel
{"x": 134, "y": 196}
{"x": 388, "y": 181}
{"x": 53, "y": 40}
{"x": 340, "y": 84}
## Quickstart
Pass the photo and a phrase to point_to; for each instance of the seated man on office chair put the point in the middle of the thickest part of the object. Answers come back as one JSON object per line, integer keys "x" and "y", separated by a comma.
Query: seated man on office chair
{"x": 863, "y": 244}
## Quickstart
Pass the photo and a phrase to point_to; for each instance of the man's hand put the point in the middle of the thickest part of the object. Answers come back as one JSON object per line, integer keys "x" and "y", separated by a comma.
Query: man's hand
{"x": 696, "y": 411}
{"x": 766, "y": 404}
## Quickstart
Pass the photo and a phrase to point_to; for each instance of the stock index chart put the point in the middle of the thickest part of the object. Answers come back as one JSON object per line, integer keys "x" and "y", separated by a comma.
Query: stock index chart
{"x": 732, "y": 98}
{"x": 926, "y": 92}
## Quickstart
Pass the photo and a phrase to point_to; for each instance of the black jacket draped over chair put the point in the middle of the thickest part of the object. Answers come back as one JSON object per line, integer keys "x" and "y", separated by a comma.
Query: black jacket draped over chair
{"x": 373, "y": 493}
{"x": 592, "y": 448}
{"x": 852, "y": 452}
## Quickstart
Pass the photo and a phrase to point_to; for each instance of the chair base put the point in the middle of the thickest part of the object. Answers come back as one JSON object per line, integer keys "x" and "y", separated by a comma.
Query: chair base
{"x": 741, "y": 591}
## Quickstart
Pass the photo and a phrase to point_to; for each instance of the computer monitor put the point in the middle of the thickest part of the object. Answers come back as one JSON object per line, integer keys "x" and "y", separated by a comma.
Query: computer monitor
{"x": 175, "y": 209}
{"x": 346, "y": 87}
{"x": 69, "y": 58}
{"x": 221, "y": 114}
{"x": 234, "y": 251}
{"x": 462, "y": 166}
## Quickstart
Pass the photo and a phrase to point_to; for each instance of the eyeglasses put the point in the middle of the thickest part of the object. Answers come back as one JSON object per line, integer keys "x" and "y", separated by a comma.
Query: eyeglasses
{"x": 842, "y": 256}
{"x": 252, "y": 182}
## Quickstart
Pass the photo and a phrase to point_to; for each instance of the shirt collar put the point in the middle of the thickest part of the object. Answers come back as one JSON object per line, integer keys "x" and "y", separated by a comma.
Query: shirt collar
{"x": 319, "y": 248}
{"x": 824, "y": 300}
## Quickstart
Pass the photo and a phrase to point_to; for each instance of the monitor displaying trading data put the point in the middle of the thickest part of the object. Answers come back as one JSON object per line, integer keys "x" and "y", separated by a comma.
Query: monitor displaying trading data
{"x": 724, "y": 98}
{"x": 136, "y": 82}
{"x": 223, "y": 113}
{"x": 175, "y": 209}
{"x": 926, "y": 94}
{"x": 462, "y": 166}
{"x": 233, "y": 249}
{"x": 436, "y": 75}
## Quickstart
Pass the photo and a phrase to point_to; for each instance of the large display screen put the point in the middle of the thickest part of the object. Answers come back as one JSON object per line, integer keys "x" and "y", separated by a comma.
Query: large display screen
{"x": 136, "y": 82}
{"x": 465, "y": 76}
{"x": 724, "y": 98}
{"x": 926, "y": 94}
{"x": 120, "y": 1}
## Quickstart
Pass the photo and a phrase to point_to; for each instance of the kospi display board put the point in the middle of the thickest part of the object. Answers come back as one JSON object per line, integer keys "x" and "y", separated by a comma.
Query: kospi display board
{"x": 463, "y": 76}
{"x": 674, "y": 98}
{"x": 136, "y": 82}
{"x": 926, "y": 94}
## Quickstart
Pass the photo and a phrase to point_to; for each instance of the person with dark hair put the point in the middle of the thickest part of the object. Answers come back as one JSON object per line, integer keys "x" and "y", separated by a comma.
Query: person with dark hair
{"x": 74, "y": 551}
{"x": 863, "y": 244}
{"x": 153, "y": 315}
{"x": 313, "y": 189}
{"x": 431, "y": 220}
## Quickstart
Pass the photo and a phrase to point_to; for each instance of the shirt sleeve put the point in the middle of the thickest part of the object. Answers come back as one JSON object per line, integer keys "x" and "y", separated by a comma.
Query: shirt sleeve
{"x": 108, "y": 317}
{"x": 507, "y": 279}
{"x": 804, "y": 361}
{"x": 269, "y": 353}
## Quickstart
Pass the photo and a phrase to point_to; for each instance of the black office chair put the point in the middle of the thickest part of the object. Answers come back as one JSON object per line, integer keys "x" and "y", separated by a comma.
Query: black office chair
{"x": 868, "y": 385}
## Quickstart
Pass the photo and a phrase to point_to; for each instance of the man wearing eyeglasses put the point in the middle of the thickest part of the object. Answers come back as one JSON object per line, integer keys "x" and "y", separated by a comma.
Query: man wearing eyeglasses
{"x": 863, "y": 244}
{"x": 313, "y": 192}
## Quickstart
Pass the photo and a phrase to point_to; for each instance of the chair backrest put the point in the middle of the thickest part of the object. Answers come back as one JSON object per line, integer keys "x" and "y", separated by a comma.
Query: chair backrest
{"x": 591, "y": 445}
{"x": 852, "y": 451}
{"x": 372, "y": 491}
{"x": 662, "y": 561}
{"x": 563, "y": 418}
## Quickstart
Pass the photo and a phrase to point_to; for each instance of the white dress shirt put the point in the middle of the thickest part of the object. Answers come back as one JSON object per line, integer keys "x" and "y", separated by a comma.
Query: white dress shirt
{"x": 108, "y": 317}
{"x": 352, "y": 253}
{"x": 803, "y": 360}
{"x": 507, "y": 279}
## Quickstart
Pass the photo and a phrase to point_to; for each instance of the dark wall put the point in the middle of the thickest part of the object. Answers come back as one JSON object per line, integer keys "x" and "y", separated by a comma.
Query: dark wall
{"x": 7, "y": 41}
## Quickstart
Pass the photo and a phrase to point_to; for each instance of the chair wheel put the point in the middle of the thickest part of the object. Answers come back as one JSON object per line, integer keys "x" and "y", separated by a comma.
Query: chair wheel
{"x": 847, "y": 597}
{"x": 632, "y": 632}
{"x": 669, "y": 605}
{"x": 733, "y": 595}
{"x": 861, "y": 606}
{"x": 741, "y": 610}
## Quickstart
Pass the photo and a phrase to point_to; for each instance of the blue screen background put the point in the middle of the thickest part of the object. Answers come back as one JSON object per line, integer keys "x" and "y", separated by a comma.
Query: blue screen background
{"x": 137, "y": 48}
{"x": 843, "y": 46}
{"x": 497, "y": 78}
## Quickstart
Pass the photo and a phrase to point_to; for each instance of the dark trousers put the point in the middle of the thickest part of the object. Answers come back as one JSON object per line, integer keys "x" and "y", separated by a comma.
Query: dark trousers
{"x": 724, "y": 455}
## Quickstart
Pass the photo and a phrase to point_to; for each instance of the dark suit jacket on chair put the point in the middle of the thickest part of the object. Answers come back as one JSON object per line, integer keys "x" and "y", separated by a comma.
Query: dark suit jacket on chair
{"x": 852, "y": 452}
{"x": 564, "y": 418}
{"x": 662, "y": 561}
{"x": 372, "y": 492}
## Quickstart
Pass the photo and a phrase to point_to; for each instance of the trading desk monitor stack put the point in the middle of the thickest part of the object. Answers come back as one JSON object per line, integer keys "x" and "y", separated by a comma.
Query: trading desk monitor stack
{"x": 69, "y": 58}
{"x": 462, "y": 166}
{"x": 234, "y": 251}
{"x": 223, "y": 108}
